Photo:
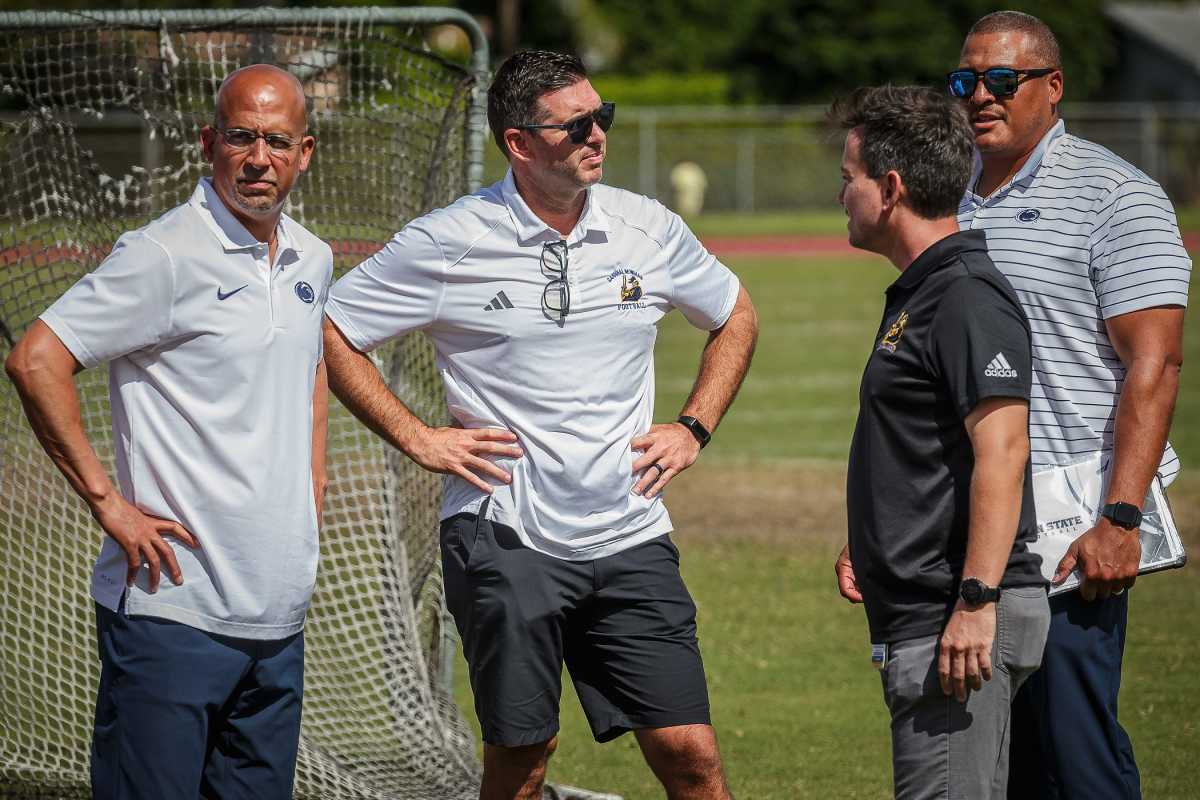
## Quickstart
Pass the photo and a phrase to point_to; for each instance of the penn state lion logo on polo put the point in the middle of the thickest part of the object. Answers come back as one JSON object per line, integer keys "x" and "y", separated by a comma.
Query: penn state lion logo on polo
{"x": 892, "y": 337}
{"x": 305, "y": 292}
{"x": 629, "y": 295}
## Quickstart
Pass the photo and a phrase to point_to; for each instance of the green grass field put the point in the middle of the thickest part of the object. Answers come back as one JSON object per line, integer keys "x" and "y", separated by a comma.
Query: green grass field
{"x": 759, "y": 519}
{"x": 796, "y": 704}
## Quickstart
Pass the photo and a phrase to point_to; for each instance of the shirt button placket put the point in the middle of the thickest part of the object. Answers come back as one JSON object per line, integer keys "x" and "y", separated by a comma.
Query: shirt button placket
{"x": 573, "y": 278}
{"x": 262, "y": 261}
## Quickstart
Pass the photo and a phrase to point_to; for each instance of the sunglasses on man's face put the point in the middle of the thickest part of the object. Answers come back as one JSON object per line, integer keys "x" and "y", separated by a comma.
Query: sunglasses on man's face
{"x": 580, "y": 128}
{"x": 1000, "y": 81}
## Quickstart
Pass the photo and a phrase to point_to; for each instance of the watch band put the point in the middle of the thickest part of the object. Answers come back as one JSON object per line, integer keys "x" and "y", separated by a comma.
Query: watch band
{"x": 975, "y": 592}
{"x": 1123, "y": 515}
{"x": 698, "y": 430}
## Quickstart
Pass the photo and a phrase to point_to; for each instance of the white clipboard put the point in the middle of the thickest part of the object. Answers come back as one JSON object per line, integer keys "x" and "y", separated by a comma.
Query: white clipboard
{"x": 1068, "y": 501}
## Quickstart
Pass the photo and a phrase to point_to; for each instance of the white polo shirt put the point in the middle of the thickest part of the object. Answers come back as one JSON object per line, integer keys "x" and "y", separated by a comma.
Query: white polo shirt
{"x": 212, "y": 357}
{"x": 1083, "y": 236}
{"x": 575, "y": 391}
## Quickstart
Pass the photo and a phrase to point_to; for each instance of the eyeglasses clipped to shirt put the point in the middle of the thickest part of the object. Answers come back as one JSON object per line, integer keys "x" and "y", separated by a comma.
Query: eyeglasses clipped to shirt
{"x": 556, "y": 294}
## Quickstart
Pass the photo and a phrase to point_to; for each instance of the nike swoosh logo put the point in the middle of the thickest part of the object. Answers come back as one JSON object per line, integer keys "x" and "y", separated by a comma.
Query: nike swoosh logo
{"x": 226, "y": 295}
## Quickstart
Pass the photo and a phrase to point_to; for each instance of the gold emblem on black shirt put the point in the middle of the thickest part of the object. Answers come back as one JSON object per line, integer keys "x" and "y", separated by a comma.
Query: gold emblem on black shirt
{"x": 892, "y": 337}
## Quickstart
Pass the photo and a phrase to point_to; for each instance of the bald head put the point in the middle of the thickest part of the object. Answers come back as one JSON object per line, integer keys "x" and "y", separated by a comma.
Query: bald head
{"x": 261, "y": 86}
{"x": 1042, "y": 44}
{"x": 258, "y": 144}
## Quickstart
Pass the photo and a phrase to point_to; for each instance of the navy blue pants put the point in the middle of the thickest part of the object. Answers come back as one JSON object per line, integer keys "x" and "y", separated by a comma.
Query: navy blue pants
{"x": 1066, "y": 741}
{"x": 182, "y": 713}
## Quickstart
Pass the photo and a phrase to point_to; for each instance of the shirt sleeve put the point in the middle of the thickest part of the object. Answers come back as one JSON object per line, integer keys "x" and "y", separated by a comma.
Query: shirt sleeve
{"x": 324, "y": 298}
{"x": 703, "y": 288}
{"x": 122, "y": 306}
{"x": 1138, "y": 257}
{"x": 980, "y": 344}
{"x": 399, "y": 289}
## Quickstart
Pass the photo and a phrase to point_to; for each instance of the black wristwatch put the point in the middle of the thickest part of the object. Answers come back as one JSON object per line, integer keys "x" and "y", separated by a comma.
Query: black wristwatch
{"x": 1123, "y": 515}
{"x": 699, "y": 431}
{"x": 975, "y": 592}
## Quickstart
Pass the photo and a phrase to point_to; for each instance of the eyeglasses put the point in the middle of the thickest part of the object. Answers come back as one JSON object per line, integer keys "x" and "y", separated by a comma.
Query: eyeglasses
{"x": 556, "y": 295}
{"x": 242, "y": 139}
{"x": 580, "y": 128}
{"x": 1000, "y": 81}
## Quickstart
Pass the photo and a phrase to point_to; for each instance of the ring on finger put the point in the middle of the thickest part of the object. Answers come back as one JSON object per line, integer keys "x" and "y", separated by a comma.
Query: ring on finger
{"x": 659, "y": 468}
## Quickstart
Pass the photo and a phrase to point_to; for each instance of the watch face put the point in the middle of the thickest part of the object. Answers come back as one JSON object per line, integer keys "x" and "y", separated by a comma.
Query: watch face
{"x": 971, "y": 591}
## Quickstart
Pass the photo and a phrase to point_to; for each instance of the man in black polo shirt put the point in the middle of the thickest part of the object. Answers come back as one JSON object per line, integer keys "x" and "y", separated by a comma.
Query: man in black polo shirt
{"x": 939, "y": 488}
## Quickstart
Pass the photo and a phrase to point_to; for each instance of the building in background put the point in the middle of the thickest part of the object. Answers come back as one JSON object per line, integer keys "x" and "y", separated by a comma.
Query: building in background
{"x": 1157, "y": 52}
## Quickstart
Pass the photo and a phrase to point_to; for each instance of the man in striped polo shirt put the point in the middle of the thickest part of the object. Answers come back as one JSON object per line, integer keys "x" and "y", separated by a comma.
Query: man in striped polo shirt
{"x": 1091, "y": 245}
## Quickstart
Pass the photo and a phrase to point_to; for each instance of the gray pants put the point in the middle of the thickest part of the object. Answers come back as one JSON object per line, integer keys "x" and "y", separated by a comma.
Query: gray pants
{"x": 945, "y": 749}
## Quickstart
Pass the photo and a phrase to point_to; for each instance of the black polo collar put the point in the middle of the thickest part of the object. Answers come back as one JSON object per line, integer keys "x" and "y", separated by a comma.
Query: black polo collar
{"x": 937, "y": 255}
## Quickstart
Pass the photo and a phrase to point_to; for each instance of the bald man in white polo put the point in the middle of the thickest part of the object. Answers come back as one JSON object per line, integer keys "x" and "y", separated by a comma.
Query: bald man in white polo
{"x": 210, "y": 320}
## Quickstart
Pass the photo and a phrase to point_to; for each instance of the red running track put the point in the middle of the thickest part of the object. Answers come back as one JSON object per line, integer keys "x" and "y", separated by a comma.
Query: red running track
{"x": 349, "y": 249}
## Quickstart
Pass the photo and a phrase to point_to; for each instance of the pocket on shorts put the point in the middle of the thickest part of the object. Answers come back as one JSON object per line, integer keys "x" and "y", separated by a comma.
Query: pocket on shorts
{"x": 479, "y": 533}
{"x": 460, "y": 537}
{"x": 457, "y": 541}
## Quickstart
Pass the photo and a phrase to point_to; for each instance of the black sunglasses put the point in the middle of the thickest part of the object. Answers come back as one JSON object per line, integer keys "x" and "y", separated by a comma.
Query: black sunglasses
{"x": 1000, "y": 81}
{"x": 580, "y": 128}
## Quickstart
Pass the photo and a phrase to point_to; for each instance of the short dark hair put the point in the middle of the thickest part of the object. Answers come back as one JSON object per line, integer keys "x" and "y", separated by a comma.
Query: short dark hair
{"x": 921, "y": 134}
{"x": 1045, "y": 45}
{"x": 520, "y": 81}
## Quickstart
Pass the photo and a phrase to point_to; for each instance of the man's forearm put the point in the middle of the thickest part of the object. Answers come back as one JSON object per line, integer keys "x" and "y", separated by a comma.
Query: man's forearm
{"x": 723, "y": 364}
{"x": 320, "y": 415}
{"x": 1143, "y": 420}
{"x": 356, "y": 382}
{"x": 45, "y": 382}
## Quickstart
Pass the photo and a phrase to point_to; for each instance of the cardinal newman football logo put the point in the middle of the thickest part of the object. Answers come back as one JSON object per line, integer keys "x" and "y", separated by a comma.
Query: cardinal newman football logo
{"x": 631, "y": 289}
{"x": 892, "y": 337}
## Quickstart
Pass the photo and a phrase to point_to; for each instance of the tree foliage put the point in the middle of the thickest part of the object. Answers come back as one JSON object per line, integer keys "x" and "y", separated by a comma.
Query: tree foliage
{"x": 774, "y": 51}
{"x": 810, "y": 50}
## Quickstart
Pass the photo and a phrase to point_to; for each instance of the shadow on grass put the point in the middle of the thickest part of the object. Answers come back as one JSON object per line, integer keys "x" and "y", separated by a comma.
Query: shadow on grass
{"x": 796, "y": 703}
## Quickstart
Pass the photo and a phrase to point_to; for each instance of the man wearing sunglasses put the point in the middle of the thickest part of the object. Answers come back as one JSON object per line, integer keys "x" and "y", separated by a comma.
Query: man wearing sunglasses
{"x": 210, "y": 319}
{"x": 1091, "y": 245}
{"x": 541, "y": 295}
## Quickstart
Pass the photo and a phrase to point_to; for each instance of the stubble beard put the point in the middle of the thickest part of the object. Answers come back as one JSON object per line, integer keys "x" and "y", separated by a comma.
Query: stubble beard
{"x": 256, "y": 204}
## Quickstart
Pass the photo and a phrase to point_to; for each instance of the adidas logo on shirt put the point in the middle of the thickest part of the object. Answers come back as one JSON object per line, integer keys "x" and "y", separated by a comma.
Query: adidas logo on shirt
{"x": 498, "y": 302}
{"x": 1000, "y": 368}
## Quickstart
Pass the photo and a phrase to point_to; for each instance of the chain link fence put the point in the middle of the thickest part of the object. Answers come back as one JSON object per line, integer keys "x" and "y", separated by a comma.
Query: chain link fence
{"x": 782, "y": 158}
{"x": 786, "y": 158}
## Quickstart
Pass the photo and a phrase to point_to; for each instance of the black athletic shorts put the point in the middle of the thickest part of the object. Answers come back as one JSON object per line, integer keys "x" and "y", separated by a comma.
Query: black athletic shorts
{"x": 624, "y": 625}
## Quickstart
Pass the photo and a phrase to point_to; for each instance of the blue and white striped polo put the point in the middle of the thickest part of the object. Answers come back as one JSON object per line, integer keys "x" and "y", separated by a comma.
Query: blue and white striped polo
{"x": 1083, "y": 236}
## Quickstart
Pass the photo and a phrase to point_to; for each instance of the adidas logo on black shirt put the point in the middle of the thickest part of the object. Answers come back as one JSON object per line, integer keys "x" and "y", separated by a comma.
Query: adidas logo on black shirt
{"x": 1000, "y": 368}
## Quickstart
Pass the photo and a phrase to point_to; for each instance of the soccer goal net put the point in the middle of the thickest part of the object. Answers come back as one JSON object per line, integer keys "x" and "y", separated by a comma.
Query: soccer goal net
{"x": 99, "y": 121}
